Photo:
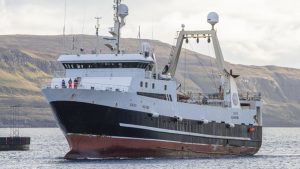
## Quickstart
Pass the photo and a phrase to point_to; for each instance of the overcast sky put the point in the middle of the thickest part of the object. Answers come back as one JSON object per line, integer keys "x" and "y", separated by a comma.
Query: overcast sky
{"x": 252, "y": 32}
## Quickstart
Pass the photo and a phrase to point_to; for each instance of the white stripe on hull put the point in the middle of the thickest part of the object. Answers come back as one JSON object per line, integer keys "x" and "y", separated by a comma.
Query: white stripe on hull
{"x": 181, "y": 132}
{"x": 145, "y": 139}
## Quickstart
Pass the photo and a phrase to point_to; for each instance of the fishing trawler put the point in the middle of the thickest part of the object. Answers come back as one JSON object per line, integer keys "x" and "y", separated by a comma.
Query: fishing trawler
{"x": 120, "y": 106}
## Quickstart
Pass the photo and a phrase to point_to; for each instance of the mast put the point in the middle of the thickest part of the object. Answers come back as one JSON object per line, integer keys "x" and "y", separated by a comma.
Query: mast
{"x": 64, "y": 28}
{"x": 97, "y": 26}
{"x": 118, "y": 22}
{"x": 121, "y": 11}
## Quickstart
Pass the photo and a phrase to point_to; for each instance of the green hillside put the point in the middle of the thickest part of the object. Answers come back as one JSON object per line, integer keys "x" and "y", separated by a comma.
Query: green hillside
{"x": 28, "y": 62}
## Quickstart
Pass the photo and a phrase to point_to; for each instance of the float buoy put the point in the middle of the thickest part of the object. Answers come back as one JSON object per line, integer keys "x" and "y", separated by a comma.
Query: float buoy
{"x": 251, "y": 129}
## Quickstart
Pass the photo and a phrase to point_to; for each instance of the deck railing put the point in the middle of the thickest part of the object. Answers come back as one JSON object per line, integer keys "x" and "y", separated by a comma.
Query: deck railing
{"x": 215, "y": 99}
{"x": 92, "y": 86}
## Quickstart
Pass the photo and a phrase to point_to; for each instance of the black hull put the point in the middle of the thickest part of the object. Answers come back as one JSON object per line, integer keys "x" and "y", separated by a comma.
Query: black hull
{"x": 76, "y": 118}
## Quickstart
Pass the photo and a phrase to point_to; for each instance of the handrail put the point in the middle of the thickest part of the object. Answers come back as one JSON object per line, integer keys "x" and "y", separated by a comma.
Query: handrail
{"x": 94, "y": 86}
{"x": 196, "y": 96}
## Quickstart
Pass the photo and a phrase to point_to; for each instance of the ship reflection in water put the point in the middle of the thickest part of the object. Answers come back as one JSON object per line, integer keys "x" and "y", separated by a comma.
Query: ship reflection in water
{"x": 280, "y": 149}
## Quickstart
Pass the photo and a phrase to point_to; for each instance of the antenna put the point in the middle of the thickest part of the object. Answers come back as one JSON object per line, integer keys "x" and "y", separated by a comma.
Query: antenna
{"x": 64, "y": 28}
{"x": 97, "y": 26}
{"x": 139, "y": 34}
{"x": 152, "y": 32}
{"x": 73, "y": 43}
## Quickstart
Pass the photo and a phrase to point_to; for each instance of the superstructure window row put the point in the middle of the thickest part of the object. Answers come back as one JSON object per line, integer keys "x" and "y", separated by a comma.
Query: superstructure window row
{"x": 146, "y": 84}
{"x": 104, "y": 65}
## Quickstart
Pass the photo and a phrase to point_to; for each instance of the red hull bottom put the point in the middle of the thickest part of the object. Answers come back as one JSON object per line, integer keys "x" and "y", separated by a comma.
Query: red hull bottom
{"x": 85, "y": 146}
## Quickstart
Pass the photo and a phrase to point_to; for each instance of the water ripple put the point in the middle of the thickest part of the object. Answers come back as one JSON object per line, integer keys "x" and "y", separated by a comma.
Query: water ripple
{"x": 280, "y": 149}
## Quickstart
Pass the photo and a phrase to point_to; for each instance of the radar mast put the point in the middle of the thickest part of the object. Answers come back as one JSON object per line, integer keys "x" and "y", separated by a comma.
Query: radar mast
{"x": 121, "y": 11}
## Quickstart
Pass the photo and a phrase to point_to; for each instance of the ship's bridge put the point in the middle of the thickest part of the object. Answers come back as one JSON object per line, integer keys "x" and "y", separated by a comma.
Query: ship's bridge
{"x": 103, "y": 65}
{"x": 104, "y": 71}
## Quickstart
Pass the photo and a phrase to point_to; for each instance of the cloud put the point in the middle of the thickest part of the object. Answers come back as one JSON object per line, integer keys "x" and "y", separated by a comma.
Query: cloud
{"x": 3, "y": 15}
{"x": 259, "y": 32}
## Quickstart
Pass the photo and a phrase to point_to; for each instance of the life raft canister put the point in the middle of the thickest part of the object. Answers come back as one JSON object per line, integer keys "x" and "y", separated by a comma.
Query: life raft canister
{"x": 251, "y": 130}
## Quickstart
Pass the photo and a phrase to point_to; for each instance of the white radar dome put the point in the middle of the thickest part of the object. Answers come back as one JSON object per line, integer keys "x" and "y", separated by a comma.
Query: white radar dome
{"x": 212, "y": 18}
{"x": 122, "y": 10}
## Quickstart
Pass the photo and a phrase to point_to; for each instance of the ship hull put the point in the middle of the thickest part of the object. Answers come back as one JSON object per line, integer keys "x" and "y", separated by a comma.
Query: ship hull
{"x": 107, "y": 147}
{"x": 97, "y": 131}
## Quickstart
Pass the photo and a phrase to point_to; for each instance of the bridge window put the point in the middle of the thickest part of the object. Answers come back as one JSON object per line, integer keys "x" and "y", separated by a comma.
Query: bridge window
{"x": 103, "y": 65}
{"x": 146, "y": 84}
{"x": 153, "y": 85}
{"x": 165, "y": 87}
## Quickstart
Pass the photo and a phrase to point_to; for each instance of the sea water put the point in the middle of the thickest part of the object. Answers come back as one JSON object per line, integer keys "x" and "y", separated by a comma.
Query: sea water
{"x": 280, "y": 149}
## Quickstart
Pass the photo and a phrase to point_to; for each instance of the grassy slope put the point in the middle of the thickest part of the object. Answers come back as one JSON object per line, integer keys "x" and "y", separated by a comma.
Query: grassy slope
{"x": 31, "y": 66}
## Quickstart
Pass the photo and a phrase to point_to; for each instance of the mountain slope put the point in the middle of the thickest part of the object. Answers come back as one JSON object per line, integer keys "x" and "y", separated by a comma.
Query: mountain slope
{"x": 28, "y": 62}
